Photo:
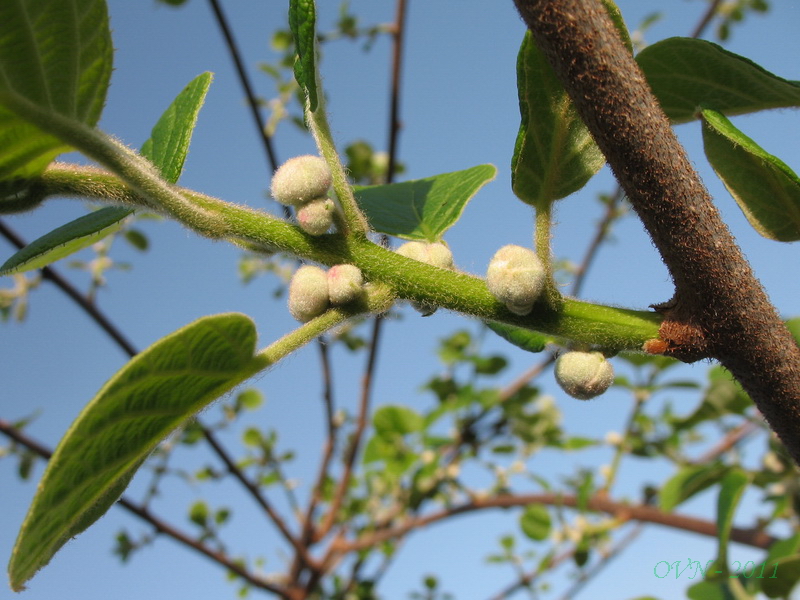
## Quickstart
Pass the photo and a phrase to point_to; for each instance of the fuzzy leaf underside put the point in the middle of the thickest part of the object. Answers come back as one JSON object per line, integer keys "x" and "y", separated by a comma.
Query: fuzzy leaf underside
{"x": 157, "y": 391}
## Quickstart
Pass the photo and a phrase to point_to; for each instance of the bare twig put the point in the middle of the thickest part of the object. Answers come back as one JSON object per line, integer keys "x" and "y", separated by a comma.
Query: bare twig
{"x": 622, "y": 510}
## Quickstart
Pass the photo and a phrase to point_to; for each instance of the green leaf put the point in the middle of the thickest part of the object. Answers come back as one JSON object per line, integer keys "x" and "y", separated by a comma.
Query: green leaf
{"x": 65, "y": 240}
{"x": 794, "y": 327}
{"x": 422, "y": 209}
{"x": 687, "y": 482}
{"x": 535, "y": 522}
{"x": 554, "y": 154}
{"x": 141, "y": 404}
{"x": 688, "y": 74}
{"x": 616, "y": 16}
{"x": 786, "y": 573}
{"x": 724, "y": 396}
{"x": 396, "y": 420}
{"x": 528, "y": 340}
{"x": 302, "y": 22}
{"x": 55, "y": 57}
{"x": 732, "y": 487}
{"x": 764, "y": 187}
{"x": 166, "y": 148}
{"x": 169, "y": 140}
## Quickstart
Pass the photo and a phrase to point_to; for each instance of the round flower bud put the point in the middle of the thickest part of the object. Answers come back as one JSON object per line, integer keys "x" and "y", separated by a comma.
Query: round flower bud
{"x": 300, "y": 180}
{"x": 316, "y": 217}
{"x": 436, "y": 254}
{"x": 344, "y": 284}
{"x": 516, "y": 278}
{"x": 584, "y": 375}
{"x": 308, "y": 293}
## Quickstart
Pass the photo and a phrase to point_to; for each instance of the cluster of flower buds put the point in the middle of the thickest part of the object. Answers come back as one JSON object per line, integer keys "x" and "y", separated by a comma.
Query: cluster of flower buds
{"x": 304, "y": 182}
{"x": 516, "y": 277}
{"x": 312, "y": 291}
{"x": 436, "y": 254}
{"x": 584, "y": 375}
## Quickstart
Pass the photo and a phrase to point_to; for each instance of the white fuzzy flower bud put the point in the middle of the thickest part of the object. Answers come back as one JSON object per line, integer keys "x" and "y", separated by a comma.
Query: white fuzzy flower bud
{"x": 584, "y": 375}
{"x": 300, "y": 180}
{"x": 344, "y": 284}
{"x": 316, "y": 217}
{"x": 308, "y": 293}
{"x": 436, "y": 254}
{"x": 516, "y": 278}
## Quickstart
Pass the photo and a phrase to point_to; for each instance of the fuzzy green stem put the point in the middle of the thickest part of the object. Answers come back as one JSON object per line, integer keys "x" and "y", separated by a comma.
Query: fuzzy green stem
{"x": 354, "y": 220}
{"x": 132, "y": 168}
{"x": 542, "y": 237}
{"x": 583, "y": 322}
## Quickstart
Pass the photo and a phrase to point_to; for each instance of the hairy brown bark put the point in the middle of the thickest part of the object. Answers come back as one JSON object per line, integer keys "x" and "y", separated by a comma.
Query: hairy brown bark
{"x": 719, "y": 309}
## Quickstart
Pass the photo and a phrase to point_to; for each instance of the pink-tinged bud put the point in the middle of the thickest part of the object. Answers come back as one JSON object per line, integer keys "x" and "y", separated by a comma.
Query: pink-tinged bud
{"x": 436, "y": 254}
{"x": 308, "y": 293}
{"x": 344, "y": 284}
{"x": 584, "y": 375}
{"x": 300, "y": 180}
{"x": 316, "y": 217}
{"x": 516, "y": 278}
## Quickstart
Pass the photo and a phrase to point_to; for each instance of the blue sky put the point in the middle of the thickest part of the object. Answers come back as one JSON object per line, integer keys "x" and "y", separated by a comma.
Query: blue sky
{"x": 459, "y": 109}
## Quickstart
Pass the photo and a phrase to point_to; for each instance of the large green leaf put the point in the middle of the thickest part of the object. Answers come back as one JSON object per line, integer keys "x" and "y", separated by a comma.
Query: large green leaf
{"x": 166, "y": 148}
{"x": 422, "y": 209}
{"x": 554, "y": 154}
{"x": 688, "y": 74}
{"x": 56, "y": 57}
{"x": 147, "y": 399}
{"x": 764, "y": 187}
{"x": 302, "y": 22}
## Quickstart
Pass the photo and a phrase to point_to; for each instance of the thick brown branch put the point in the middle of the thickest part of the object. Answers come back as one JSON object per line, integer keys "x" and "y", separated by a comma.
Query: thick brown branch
{"x": 719, "y": 309}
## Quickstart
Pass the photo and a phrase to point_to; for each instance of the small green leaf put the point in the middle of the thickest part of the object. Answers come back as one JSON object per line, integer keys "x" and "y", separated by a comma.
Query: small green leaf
{"x": 302, "y": 22}
{"x": 65, "y": 240}
{"x": 554, "y": 154}
{"x": 169, "y": 140}
{"x": 55, "y": 57}
{"x": 526, "y": 339}
{"x": 688, "y": 74}
{"x": 140, "y": 405}
{"x": 535, "y": 522}
{"x": 396, "y": 420}
{"x": 723, "y": 396}
{"x": 786, "y": 573}
{"x": 422, "y": 209}
{"x": 732, "y": 487}
{"x": 764, "y": 187}
{"x": 687, "y": 482}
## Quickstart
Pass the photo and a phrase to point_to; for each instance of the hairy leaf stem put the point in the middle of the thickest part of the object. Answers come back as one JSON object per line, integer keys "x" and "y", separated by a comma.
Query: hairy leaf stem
{"x": 582, "y": 322}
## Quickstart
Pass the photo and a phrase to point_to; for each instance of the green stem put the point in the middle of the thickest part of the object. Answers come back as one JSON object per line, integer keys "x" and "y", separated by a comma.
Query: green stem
{"x": 354, "y": 220}
{"x": 132, "y": 168}
{"x": 583, "y": 322}
{"x": 542, "y": 235}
